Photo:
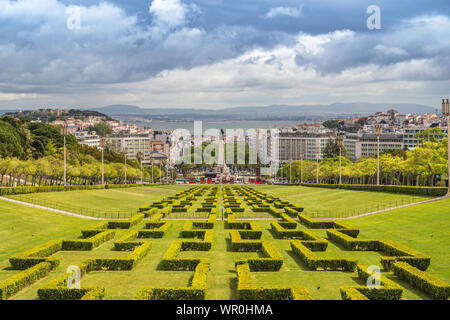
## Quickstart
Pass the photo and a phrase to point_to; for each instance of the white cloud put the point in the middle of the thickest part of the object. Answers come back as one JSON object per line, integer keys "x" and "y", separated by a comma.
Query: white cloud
{"x": 170, "y": 15}
{"x": 284, "y": 11}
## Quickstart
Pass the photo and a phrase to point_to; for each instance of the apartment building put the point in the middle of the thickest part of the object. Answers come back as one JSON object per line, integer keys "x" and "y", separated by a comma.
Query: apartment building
{"x": 292, "y": 145}
{"x": 366, "y": 144}
{"x": 410, "y": 139}
{"x": 132, "y": 145}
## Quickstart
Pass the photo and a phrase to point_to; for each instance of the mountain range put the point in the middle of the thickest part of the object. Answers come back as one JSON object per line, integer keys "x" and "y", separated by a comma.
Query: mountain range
{"x": 274, "y": 112}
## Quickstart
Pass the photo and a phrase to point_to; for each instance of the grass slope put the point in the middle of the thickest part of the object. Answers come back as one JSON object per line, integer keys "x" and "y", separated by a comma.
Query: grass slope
{"x": 109, "y": 199}
{"x": 323, "y": 202}
{"x": 424, "y": 228}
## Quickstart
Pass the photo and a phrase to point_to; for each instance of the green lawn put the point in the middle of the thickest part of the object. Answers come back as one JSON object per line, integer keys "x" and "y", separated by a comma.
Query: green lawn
{"x": 104, "y": 199}
{"x": 424, "y": 228}
{"x": 333, "y": 203}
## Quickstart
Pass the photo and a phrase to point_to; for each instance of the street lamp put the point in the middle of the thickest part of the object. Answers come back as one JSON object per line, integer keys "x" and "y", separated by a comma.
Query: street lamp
{"x": 152, "y": 170}
{"x": 125, "y": 156}
{"x": 317, "y": 158}
{"x": 378, "y": 129}
{"x": 140, "y": 157}
{"x": 301, "y": 167}
{"x": 340, "y": 142}
{"x": 102, "y": 146}
{"x": 64, "y": 133}
{"x": 446, "y": 113}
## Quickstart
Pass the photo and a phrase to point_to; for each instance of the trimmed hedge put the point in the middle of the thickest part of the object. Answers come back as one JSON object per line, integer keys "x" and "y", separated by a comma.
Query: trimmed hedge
{"x": 423, "y": 191}
{"x": 394, "y": 252}
{"x": 197, "y": 290}
{"x": 433, "y": 286}
{"x": 88, "y": 244}
{"x": 14, "y": 284}
{"x": 32, "y": 257}
{"x": 126, "y": 224}
{"x": 29, "y": 189}
{"x": 315, "y": 263}
{"x": 247, "y": 291}
{"x": 155, "y": 230}
{"x": 388, "y": 290}
{"x": 57, "y": 290}
{"x": 272, "y": 260}
{"x": 116, "y": 264}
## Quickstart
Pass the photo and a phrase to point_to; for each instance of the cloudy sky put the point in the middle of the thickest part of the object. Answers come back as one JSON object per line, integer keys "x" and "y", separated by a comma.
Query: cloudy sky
{"x": 221, "y": 53}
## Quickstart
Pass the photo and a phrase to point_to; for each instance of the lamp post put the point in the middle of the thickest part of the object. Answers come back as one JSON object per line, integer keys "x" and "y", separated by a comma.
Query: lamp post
{"x": 140, "y": 157}
{"x": 340, "y": 142}
{"x": 446, "y": 113}
{"x": 102, "y": 146}
{"x": 317, "y": 158}
{"x": 125, "y": 156}
{"x": 152, "y": 170}
{"x": 301, "y": 167}
{"x": 378, "y": 129}
{"x": 64, "y": 133}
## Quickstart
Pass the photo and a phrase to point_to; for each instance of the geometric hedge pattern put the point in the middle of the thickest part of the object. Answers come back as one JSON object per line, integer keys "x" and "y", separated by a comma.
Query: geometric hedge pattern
{"x": 244, "y": 235}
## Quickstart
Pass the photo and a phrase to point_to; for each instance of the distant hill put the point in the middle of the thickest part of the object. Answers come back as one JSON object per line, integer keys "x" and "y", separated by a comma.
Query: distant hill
{"x": 275, "y": 112}
{"x": 50, "y": 115}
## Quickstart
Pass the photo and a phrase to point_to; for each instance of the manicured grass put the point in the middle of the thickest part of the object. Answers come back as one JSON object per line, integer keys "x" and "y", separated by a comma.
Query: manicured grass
{"x": 423, "y": 228}
{"x": 333, "y": 203}
{"x": 23, "y": 228}
{"x": 107, "y": 200}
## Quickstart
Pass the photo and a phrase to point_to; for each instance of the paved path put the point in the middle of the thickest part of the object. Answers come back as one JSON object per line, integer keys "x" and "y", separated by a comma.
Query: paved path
{"x": 251, "y": 219}
{"x": 388, "y": 209}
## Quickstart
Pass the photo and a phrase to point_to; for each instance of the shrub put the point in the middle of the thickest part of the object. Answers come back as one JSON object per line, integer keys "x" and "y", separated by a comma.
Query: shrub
{"x": 314, "y": 263}
{"x": 14, "y": 284}
{"x": 247, "y": 291}
{"x": 423, "y": 191}
{"x": 388, "y": 290}
{"x": 36, "y": 255}
{"x": 197, "y": 290}
{"x": 126, "y": 224}
{"x": 90, "y": 243}
{"x": 433, "y": 286}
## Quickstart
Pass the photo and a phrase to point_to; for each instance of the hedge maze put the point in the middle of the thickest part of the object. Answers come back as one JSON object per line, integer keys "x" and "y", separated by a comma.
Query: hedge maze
{"x": 257, "y": 247}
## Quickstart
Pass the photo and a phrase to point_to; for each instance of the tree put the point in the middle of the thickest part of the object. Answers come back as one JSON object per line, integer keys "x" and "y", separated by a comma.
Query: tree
{"x": 331, "y": 149}
{"x": 331, "y": 124}
{"x": 101, "y": 128}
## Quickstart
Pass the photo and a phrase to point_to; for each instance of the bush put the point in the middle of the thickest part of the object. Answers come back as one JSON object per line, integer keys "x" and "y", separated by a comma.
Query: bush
{"x": 394, "y": 252}
{"x": 388, "y": 290}
{"x": 197, "y": 290}
{"x": 422, "y": 191}
{"x": 246, "y": 290}
{"x": 36, "y": 255}
{"x": 433, "y": 286}
{"x": 126, "y": 224}
{"x": 114, "y": 264}
{"x": 156, "y": 230}
{"x": 14, "y": 284}
{"x": 272, "y": 260}
{"x": 314, "y": 263}
{"x": 88, "y": 244}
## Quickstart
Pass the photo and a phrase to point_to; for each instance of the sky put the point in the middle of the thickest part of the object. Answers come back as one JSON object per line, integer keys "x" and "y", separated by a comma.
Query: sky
{"x": 222, "y": 53}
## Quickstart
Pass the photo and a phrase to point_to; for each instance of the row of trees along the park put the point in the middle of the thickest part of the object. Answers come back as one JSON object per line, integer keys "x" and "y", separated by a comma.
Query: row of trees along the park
{"x": 32, "y": 154}
{"x": 420, "y": 166}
